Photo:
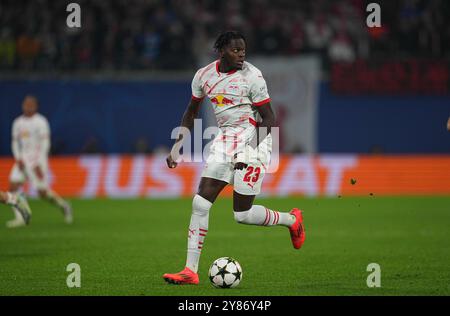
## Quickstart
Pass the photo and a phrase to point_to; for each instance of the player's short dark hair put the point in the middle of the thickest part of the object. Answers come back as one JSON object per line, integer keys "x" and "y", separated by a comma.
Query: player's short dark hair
{"x": 225, "y": 38}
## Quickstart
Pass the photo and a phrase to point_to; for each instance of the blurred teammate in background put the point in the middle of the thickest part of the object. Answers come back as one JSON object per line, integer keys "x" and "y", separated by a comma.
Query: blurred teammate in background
{"x": 18, "y": 203}
{"x": 31, "y": 146}
{"x": 240, "y": 154}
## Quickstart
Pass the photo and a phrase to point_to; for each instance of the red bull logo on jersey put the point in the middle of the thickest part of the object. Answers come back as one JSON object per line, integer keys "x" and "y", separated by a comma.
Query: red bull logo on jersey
{"x": 220, "y": 100}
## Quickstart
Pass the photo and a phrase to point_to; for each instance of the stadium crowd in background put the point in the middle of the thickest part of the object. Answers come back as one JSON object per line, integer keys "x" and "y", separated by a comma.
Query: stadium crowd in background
{"x": 172, "y": 35}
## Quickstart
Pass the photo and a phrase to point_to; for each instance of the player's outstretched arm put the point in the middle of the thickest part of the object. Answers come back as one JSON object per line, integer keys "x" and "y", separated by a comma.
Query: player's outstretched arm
{"x": 268, "y": 121}
{"x": 188, "y": 122}
{"x": 16, "y": 150}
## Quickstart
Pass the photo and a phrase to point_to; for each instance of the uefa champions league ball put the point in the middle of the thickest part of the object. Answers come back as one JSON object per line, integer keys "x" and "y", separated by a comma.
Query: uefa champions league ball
{"x": 225, "y": 272}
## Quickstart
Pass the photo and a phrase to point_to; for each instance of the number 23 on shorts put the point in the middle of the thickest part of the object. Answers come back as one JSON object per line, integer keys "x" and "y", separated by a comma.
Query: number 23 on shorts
{"x": 252, "y": 174}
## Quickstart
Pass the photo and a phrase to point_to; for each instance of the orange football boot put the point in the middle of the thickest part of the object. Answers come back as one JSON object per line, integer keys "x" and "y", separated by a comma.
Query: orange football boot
{"x": 297, "y": 230}
{"x": 187, "y": 276}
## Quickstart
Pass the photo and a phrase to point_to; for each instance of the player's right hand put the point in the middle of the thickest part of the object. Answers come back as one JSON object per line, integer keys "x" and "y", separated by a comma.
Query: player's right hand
{"x": 170, "y": 162}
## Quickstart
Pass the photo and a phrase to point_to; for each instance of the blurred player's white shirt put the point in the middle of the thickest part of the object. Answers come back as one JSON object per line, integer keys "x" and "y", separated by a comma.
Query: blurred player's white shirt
{"x": 31, "y": 139}
{"x": 234, "y": 96}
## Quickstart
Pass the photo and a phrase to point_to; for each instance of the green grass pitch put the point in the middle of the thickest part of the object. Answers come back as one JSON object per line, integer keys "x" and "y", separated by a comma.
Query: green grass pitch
{"x": 124, "y": 247}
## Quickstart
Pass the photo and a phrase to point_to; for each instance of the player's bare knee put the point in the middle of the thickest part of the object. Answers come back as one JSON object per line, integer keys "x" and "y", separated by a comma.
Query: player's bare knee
{"x": 242, "y": 203}
{"x": 14, "y": 187}
{"x": 209, "y": 189}
{"x": 207, "y": 195}
{"x": 42, "y": 194}
{"x": 238, "y": 208}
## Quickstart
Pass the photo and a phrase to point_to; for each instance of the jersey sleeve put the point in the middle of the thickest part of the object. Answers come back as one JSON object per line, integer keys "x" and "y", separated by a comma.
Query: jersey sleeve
{"x": 258, "y": 91}
{"x": 45, "y": 129}
{"x": 197, "y": 91}
{"x": 44, "y": 135}
{"x": 15, "y": 141}
{"x": 15, "y": 130}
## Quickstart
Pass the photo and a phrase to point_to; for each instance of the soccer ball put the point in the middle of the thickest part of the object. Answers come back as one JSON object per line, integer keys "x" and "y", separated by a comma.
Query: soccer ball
{"x": 225, "y": 272}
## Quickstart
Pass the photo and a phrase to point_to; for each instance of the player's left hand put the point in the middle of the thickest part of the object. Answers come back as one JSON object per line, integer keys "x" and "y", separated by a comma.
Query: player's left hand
{"x": 240, "y": 166}
{"x": 243, "y": 159}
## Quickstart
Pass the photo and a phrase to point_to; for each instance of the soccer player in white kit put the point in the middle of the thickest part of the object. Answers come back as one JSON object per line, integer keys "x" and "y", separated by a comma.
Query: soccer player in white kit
{"x": 240, "y": 153}
{"x": 31, "y": 146}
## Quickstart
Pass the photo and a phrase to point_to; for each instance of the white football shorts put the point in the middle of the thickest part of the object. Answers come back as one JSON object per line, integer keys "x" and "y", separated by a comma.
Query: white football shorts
{"x": 246, "y": 181}
{"x": 19, "y": 176}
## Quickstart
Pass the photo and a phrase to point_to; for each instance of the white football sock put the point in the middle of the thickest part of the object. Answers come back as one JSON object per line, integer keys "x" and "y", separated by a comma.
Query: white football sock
{"x": 262, "y": 216}
{"x": 17, "y": 214}
{"x": 198, "y": 229}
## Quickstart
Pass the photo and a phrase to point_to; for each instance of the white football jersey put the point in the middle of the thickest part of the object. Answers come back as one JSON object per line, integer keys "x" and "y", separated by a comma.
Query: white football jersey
{"x": 234, "y": 96}
{"x": 31, "y": 138}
